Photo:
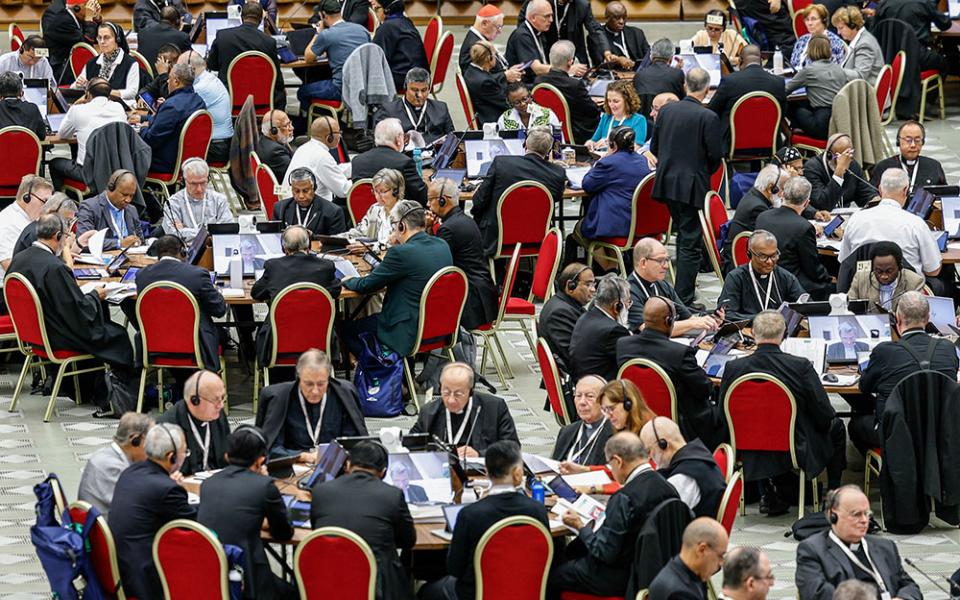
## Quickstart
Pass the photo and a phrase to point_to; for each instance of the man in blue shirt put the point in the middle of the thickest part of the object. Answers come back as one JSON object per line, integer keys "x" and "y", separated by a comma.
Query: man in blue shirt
{"x": 215, "y": 95}
{"x": 162, "y": 132}
{"x": 338, "y": 39}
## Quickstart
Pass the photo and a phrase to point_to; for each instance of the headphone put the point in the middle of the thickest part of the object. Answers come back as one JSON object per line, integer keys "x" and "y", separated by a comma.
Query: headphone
{"x": 313, "y": 178}
{"x": 923, "y": 131}
{"x": 29, "y": 195}
{"x": 173, "y": 442}
{"x": 274, "y": 131}
{"x": 775, "y": 189}
{"x": 255, "y": 431}
{"x": 136, "y": 440}
{"x": 77, "y": 8}
{"x": 609, "y": 281}
{"x": 840, "y": 137}
{"x": 627, "y": 402}
{"x": 191, "y": 160}
{"x": 116, "y": 177}
{"x": 330, "y": 135}
{"x": 661, "y": 443}
{"x": 575, "y": 280}
{"x": 672, "y": 316}
{"x": 401, "y": 227}
{"x": 61, "y": 231}
{"x": 833, "y": 501}
{"x": 195, "y": 398}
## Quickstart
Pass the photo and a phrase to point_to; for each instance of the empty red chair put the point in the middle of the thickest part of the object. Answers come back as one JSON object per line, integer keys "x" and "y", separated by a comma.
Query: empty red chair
{"x": 252, "y": 73}
{"x": 16, "y": 37}
{"x": 190, "y": 561}
{"x": 713, "y": 215}
{"x": 431, "y": 35}
{"x": 194, "y": 143}
{"x": 332, "y": 562}
{"x": 80, "y": 55}
{"x": 440, "y": 62}
{"x": 550, "y": 97}
{"x": 360, "y": 198}
{"x": 730, "y": 501}
{"x": 142, "y": 61}
{"x": 266, "y": 184}
{"x": 724, "y": 457}
{"x": 489, "y": 332}
{"x": 896, "y": 81}
{"x": 103, "y": 551}
{"x": 465, "y": 102}
{"x": 25, "y": 161}
{"x": 884, "y": 86}
{"x": 544, "y": 274}
{"x": 740, "y": 243}
{"x": 754, "y": 125}
{"x": 512, "y": 560}
{"x": 799, "y": 28}
{"x": 523, "y": 217}
{"x": 654, "y": 385}
{"x": 931, "y": 80}
{"x": 551, "y": 380}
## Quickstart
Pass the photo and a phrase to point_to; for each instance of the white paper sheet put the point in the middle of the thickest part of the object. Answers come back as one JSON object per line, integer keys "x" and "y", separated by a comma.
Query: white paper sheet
{"x": 541, "y": 464}
{"x": 95, "y": 243}
{"x": 597, "y": 478}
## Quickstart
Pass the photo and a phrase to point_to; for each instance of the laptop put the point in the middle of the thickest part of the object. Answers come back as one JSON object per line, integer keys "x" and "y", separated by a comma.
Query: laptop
{"x": 709, "y": 62}
{"x": 450, "y": 514}
{"x": 35, "y": 92}
{"x": 54, "y": 120}
{"x": 792, "y": 319}
{"x": 718, "y": 357}
{"x": 921, "y": 203}
{"x": 331, "y": 458}
{"x": 455, "y": 175}
{"x": 447, "y": 150}
{"x": 950, "y": 206}
{"x": 942, "y": 314}
{"x": 298, "y": 511}
{"x": 197, "y": 246}
{"x": 480, "y": 153}
{"x": 281, "y": 467}
{"x": 599, "y": 87}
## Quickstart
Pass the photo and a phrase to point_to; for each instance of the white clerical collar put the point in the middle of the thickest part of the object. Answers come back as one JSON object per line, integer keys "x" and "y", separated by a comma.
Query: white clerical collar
{"x": 40, "y": 244}
{"x": 169, "y": 258}
{"x": 501, "y": 488}
{"x": 636, "y": 472}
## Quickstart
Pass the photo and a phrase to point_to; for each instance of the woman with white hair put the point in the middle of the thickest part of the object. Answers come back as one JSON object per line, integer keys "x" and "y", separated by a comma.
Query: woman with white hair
{"x": 375, "y": 228}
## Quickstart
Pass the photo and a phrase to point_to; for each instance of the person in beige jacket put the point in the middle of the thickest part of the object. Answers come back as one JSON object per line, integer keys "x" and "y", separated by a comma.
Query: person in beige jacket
{"x": 886, "y": 281}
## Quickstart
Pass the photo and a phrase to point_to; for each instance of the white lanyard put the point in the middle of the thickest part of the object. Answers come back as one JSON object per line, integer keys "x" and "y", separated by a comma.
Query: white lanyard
{"x": 302, "y": 220}
{"x": 756, "y": 289}
{"x": 416, "y": 122}
{"x": 613, "y": 124}
{"x": 916, "y": 169}
{"x": 189, "y": 210}
{"x": 591, "y": 441}
{"x": 453, "y": 441}
{"x": 560, "y": 18}
{"x": 644, "y": 287}
{"x": 872, "y": 570}
{"x": 116, "y": 226}
{"x": 536, "y": 40}
{"x": 313, "y": 432}
{"x": 623, "y": 46}
{"x": 205, "y": 444}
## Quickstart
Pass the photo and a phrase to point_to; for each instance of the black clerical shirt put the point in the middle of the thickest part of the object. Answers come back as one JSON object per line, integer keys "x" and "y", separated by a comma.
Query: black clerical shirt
{"x": 296, "y": 438}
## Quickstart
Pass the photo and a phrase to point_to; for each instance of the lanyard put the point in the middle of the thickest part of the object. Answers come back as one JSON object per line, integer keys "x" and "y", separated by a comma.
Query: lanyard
{"x": 613, "y": 124}
{"x": 872, "y": 570}
{"x": 536, "y": 40}
{"x": 643, "y": 286}
{"x": 916, "y": 169}
{"x": 205, "y": 444}
{"x": 588, "y": 446}
{"x": 558, "y": 22}
{"x": 189, "y": 210}
{"x": 623, "y": 45}
{"x": 302, "y": 220}
{"x": 314, "y": 432}
{"x": 121, "y": 226}
{"x": 453, "y": 441}
{"x": 416, "y": 122}
{"x": 756, "y": 288}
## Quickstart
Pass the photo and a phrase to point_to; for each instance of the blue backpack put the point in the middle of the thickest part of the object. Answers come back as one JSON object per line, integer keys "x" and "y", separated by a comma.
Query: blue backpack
{"x": 379, "y": 379}
{"x": 64, "y": 550}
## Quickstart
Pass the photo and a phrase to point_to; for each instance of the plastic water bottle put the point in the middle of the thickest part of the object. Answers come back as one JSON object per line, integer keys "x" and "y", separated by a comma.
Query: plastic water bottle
{"x": 418, "y": 160}
{"x": 777, "y": 61}
{"x": 538, "y": 491}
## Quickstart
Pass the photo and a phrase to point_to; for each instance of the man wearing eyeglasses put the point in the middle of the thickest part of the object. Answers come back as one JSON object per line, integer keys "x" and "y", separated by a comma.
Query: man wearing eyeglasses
{"x": 747, "y": 574}
{"x": 200, "y": 415}
{"x": 845, "y": 551}
{"x": 464, "y": 418}
{"x": 701, "y": 555}
{"x": 760, "y": 284}
{"x": 576, "y": 287}
{"x": 416, "y": 110}
{"x": 31, "y": 197}
{"x": 582, "y": 442}
{"x": 922, "y": 170}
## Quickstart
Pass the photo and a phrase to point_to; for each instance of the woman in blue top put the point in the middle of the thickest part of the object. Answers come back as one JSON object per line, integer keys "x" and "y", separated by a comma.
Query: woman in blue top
{"x": 816, "y": 19}
{"x": 621, "y": 108}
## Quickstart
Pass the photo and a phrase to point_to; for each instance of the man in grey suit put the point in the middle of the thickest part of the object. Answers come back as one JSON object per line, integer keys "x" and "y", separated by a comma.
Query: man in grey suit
{"x": 101, "y": 472}
{"x": 848, "y": 346}
{"x": 111, "y": 210}
{"x": 845, "y": 551}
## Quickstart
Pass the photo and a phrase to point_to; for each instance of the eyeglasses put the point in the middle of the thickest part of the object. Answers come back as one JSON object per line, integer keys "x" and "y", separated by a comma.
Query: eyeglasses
{"x": 218, "y": 402}
{"x": 455, "y": 394}
{"x": 767, "y": 257}
{"x": 590, "y": 283}
{"x": 910, "y": 141}
{"x": 768, "y": 577}
{"x": 661, "y": 261}
{"x": 857, "y": 515}
{"x": 521, "y": 101}
{"x": 608, "y": 409}
{"x": 186, "y": 453}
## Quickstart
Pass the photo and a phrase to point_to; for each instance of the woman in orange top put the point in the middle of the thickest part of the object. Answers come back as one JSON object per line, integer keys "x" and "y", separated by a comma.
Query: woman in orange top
{"x": 623, "y": 404}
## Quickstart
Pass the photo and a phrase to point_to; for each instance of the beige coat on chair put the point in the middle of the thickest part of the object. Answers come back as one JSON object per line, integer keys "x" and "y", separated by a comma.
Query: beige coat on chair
{"x": 855, "y": 112}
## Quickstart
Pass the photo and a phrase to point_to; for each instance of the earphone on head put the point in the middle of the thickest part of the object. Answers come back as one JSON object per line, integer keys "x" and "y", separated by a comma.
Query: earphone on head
{"x": 330, "y": 135}
{"x": 833, "y": 501}
{"x": 308, "y": 173}
{"x": 253, "y": 430}
{"x": 136, "y": 440}
{"x": 76, "y": 8}
{"x": 671, "y": 307}
{"x": 661, "y": 443}
{"x": 401, "y": 226}
{"x": 195, "y": 398}
{"x": 834, "y": 141}
{"x": 575, "y": 280}
{"x": 29, "y": 195}
{"x": 627, "y": 402}
{"x": 775, "y": 188}
{"x": 116, "y": 177}
{"x": 923, "y": 131}
{"x": 173, "y": 442}
{"x": 274, "y": 131}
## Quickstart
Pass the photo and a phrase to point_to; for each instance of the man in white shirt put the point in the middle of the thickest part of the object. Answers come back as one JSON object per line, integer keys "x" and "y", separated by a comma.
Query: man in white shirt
{"x": 30, "y": 60}
{"x": 315, "y": 155}
{"x": 105, "y": 465}
{"x": 94, "y": 110}
{"x": 888, "y": 221}
{"x": 196, "y": 205}
{"x": 31, "y": 196}
{"x": 215, "y": 95}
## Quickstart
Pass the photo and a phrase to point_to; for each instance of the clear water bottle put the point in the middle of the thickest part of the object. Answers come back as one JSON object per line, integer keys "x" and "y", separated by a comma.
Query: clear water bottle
{"x": 777, "y": 61}
{"x": 538, "y": 491}
{"x": 418, "y": 160}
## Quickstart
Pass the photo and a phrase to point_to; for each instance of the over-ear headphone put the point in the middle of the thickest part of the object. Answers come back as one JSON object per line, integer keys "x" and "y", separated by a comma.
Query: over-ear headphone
{"x": 195, "y": 398}
{"x": 625, "y": 138}
{"x": 173, "y": 442}
{"x": 61, "y": 232}
{"x": 313, "y": 178}
{"x": 775, "y": 188}
{"x": 253, "y": 429}
{"x": 189, "y": 161}
{"x": 77, "y": 8}
{"x": 661, "y": 443}
{"x": 116, "y": 177}
{"x": 136, "y": 440}
{"x": 575, "y": 280}
{"x": 273, "y": 128}
{"x": 627, "y": 402}
{"x": 833, "y": 501}
{"x": 401, "y": 227}
{"x": 330, "y": 134}
{"x": 833, "y": 142}
{"x": 29, "y": 195}
{"x": 672, "y": 315}
{"x": 923, "y": 131}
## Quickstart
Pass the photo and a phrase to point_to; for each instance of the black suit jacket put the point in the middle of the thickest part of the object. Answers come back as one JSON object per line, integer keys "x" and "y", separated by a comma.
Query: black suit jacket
{"x": 919, "y": 15}
{"x": 367, "y": 164}
{"x": 468, "y": 42}
{"x": 209, "y": 299}
{"x": 16, "y": 112}
{"x": 60, "y": 32}
{"x": 156, "y": 35}
{"x": 578, "y": 21}
{"x": 797, "y": 242}
{"x": 822, "y": 566}
{"x": 657, "y": 78}
{"x": 636, "y": 42}
{"x": 699, "y": 416}
{"x": 275, "y": 155}
{"x": 584, "y": 113}
{"x": 277, "y": 399}
{"x": 144, "y": 500}
{"x": 325, "y": 217}
{"x": 234, "y": 41}
{"x": 827, "y": 194}
{"x": 567, "y": 437}
{"x": 740, "y": 83}
{"x": 522, "y": 47}
{"x": 488, "y": 92}
{"x": 492, "y": 423}
{"x": 558, "y": 317}
{"x": 474, "y": 521}
{"x": 640, "y": 293}
{"x": 147, "y": 12}
{"x": 744, "y": 218}
{"x": 180, "y": 415}
{"x": 593, "y": 346}
{"x": 504, "y": 172}
{"x": 677, "y": 582}
{"x": 401, "y": 43}
{"x": 463, "y": 236}
{"x": 686, "y": 142}
{"x": 891, "y": 361}
{"x": 377, "y": 512}
{"x": 234, "y": 503}
{"x": 435, "y": 124}
{"x": 815, "y": 414}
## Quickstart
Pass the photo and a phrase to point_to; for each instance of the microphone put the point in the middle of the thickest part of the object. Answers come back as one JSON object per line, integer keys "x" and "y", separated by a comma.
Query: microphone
{"x": 451, "y": 451}
{"x": 855, "y": 176}
{"x": 953, "y": 585}
{"x": 167, "y": 212}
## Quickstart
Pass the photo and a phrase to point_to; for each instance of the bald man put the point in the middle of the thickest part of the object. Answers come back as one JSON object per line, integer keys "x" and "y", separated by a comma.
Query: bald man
{"x": 627, "y": 45}
{"x": 701, "y": 555}
{"x": 273, "y": 147}
{"x": 688, "y": 467}
{"x": 699, "y": 415}
{"x": 582, "y": 441}
{"x": 315, "y": 155}
{"x": 836, "y": 177}
{"x": 573, "y": 21}
{"x": 200, "y": 414}
{"x": 661, "y": 100}
{"x": 528, "y": 42}
{"x": 114, "y": 211}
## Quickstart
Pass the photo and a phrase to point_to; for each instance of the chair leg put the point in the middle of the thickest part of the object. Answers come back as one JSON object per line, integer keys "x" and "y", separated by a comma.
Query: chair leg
{"x": 923, "y": 100}
{"x": 503, "y": 355}
{"x": 803, "y": 494}
{"x": 143, "y": 385}
{"x": 76, "y": 390}
{"x": 526, "y": 334}
{"x": 27, "y": 361}
{"x": 256, "y": 386}
{"x": 226, "y": 389}
{"x": 816, "y": 494}
{"x": 621, "y": 264}
{"x": 411, "y": 384}
{"x": 56, "y": 390}
{"x": 943, "y": 108}
{"x": 488, "y": 352}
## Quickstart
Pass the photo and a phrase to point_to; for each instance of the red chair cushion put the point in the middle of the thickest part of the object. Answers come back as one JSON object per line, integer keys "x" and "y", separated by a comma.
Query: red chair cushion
{"x": 165, "y": 177}
{"x": 579, "y": 596}
{"x": 58, "y": 354}
{"x": 79, "y": 185}
{"x": 6, "y": 325}
{"x": 519, "y": 306}
{"x": 799, "y": 138}
{"x": 928, "y": 74}
{"x": 620, "y": 242}
{"x": 335, "y": 104}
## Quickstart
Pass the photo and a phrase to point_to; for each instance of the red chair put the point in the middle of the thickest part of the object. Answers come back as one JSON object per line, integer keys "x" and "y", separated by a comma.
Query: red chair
{"x": 489, "y": 332}
{"x": 190, "y": 561}
{"x": 169, "y": 319}
{"x": 716, "y": 213}
{"x": 873, "y": 466}
{"x": 799, "y": 28}
{"x": 332, "y": 562}
{"x": 266, "y": 184}
{"x": 80, "y": 55}
{"x": 440, "y": 62}
{"x": 730, "y": 501}
{"x": 16, "y": 37}
{"x": 724, "y": 457}
{"x": 796, "y": 6}
{"x": 26, "y": 312}
{"x": 550, "y": 97}
{"x": 320, "y": 106}
{"x": 512, "y": 560}
{"x": 551, "y": 380}
{"x": 654, "y": 384}
{"x": 372, "y": 20}
{"x": 740, "y": 243}
{"x": 648, "y": 218}
{"x": 360, "y": 198}
{"x": 524, "y": 211}
{"x": 431, "y": 35}
{"x": 142, "y": 61}
{"x": 884, "y": 86}
{"x": 718, "y": 179}
{"x": 103, "y": 551}
{"x": 465, "y": 102}
{"x": 438, "y": 326}
{"x": 931, "y": 80}
{"x": 897, "y": 68}
{"x": 761, "y": 414}
{"x": 194, "y": 143}
{"x": 806, "y": 142}
{"x": 544, "y": 274}
{"x": 754, "y": 124}
{"x": 301, "y": 317}
{"x": 25, "y": 161}
{"x": 251, "y": 73}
